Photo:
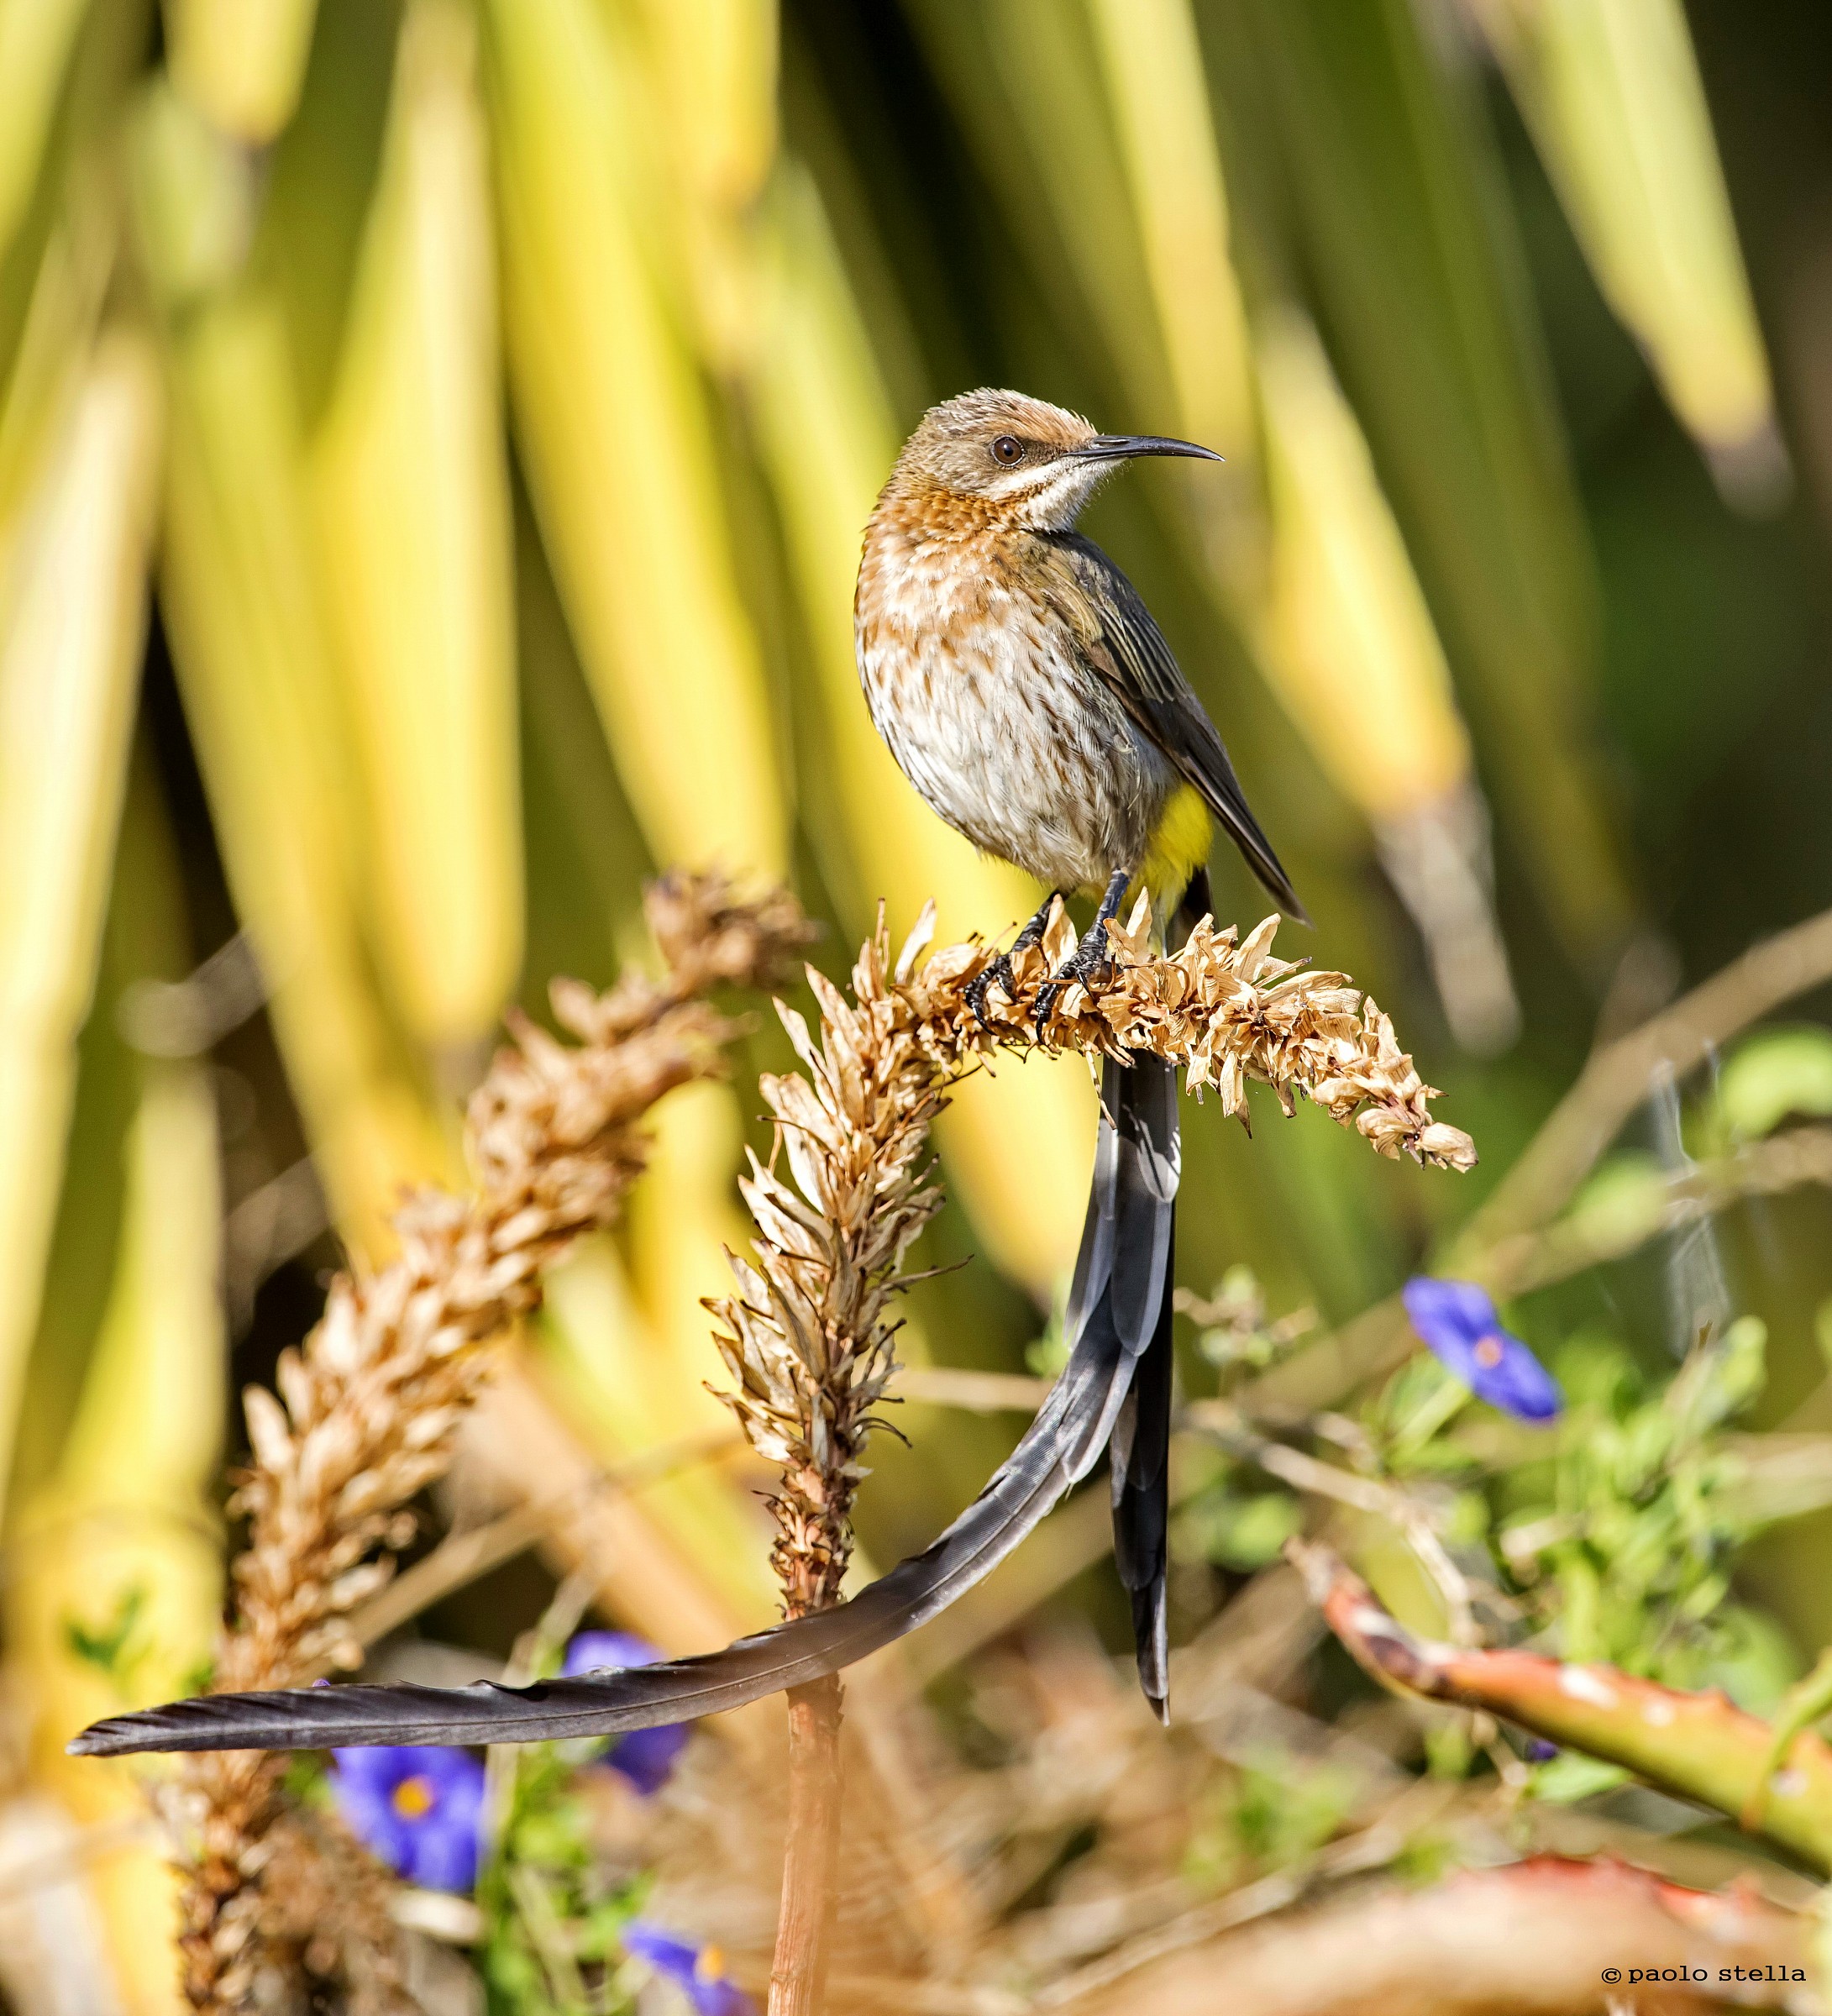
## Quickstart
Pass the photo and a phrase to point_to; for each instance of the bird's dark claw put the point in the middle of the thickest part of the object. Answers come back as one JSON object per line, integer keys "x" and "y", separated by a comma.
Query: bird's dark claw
{"x": 1000, "y": 968}
{"x": 981, "y": 984}
{"x": 1090, "y": 964}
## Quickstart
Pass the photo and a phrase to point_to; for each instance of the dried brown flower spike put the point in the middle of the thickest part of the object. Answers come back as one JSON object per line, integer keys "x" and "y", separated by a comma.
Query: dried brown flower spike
{"x": 368, "y": 1408}
{"x": 806, "y": 1336}
{"x": 808, "y": 1340}
{"x": 1222, "y": 1007}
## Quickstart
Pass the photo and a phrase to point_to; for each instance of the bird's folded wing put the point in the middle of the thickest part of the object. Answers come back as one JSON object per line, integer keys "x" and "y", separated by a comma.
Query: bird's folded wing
{"x": 1125, "y": 647}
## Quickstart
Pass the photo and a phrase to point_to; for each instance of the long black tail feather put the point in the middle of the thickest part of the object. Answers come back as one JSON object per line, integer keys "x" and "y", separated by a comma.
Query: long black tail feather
{"x": 1062, "y": 1444}
{"x": 1140, "y": 1456}
{"x": 1121, "y": 1291}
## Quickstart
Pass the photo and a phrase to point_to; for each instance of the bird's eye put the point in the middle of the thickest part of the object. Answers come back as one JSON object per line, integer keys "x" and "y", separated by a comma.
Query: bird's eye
{"x": 1008, "y": 449}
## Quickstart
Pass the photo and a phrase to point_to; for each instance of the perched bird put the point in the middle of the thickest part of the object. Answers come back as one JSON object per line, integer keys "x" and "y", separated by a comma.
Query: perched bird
{"x": 1018, "y": 679}
{"x": 1027, "y": 693}
{"x": 1028, "y": 696}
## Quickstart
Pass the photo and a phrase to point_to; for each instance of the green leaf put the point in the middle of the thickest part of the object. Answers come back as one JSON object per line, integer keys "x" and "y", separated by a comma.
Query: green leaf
{"x": 1243, "y": 1534}
{"x": 109, "y": 1647}
{"x": 1571, "y": 1776}
{"x": 1776, "y": 1074}
{"x": 1715, "y": 1384}
{"x": 1622, "y": 1203}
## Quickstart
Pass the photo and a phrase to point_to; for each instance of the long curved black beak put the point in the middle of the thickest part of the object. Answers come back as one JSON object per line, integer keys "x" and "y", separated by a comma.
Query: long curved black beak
{"x": 1121, "y": 448}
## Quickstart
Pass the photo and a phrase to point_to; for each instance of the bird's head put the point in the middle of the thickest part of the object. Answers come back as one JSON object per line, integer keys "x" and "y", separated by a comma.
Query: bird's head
{"x": 1039, "y": 463}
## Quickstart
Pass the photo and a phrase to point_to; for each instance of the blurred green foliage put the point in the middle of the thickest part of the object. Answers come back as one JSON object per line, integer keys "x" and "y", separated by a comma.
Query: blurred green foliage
{"x": 551, "y": 1919}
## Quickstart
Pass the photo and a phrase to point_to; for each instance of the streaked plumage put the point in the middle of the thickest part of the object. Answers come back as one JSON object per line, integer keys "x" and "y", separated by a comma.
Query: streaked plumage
{"x": 1014, "y": 671}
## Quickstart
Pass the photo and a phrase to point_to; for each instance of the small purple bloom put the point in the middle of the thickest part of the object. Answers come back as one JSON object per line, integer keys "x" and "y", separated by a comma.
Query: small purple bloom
{"x": 607, "y": 1651}
{"x": 418, "y": 1809}
{"x": 1459, "y": 1321}
{"x": 645, "y": 1756}
{"x": 1540, "y": 1751}
{"x": 700, "y": 1969}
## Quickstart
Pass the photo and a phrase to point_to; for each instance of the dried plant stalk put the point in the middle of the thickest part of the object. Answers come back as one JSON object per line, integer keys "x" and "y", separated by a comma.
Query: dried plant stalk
{"x": 810, "y": 1857}
{"x": 807, "y": 1338}
{"x": 1223, "y": 1008}
{"x": 368, "y": 1408}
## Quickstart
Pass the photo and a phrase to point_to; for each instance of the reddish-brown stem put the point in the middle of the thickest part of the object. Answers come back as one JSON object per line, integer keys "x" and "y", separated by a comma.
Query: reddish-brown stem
{"x": 810, "y": 1852}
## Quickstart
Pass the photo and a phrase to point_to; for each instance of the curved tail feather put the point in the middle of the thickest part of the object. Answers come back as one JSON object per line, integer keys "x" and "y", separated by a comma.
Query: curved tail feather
{"x": 1122, "y": 1277}
{"x": 1062, "y": 1443}
{"x": 1139, "y": 1455}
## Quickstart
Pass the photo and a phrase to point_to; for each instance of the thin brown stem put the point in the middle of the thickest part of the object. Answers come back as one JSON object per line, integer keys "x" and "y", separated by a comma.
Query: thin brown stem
{"x": 810, "y": 1852}
{"x": 1615, "y": 1081}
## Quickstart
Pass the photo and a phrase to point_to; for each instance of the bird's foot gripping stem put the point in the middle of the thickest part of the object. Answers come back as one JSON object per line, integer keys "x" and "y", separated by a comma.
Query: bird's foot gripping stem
{"x": 999, "y": 971}
{"x": 1091, "y": 962}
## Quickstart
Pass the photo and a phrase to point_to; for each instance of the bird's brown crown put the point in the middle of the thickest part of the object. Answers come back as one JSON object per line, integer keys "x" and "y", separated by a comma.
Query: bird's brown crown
{"x": 999, "y": 455}
{"x": 989, "y": 462}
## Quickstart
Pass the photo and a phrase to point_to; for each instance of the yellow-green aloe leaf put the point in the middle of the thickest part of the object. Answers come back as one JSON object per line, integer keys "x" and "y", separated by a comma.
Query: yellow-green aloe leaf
{"x": 1023, "y": 79}
{"x": 241, "y": 62}
{"x": 1345, "y": 630}
{"x": 1391, "y": 180}
{"x": 625, "y": 1348}
{"x": 617, "y": 436}
{"x": 709, "y": 84}
{"x": 36, "y": 40}
{"x": 54, "y": 343}
{"x": 115, "y": 1591}
{"x": 1611, "y": 93}
{"x": 1152, "y": 65}
{"x": 72, "y": 614}
{"x": 238, "y": 592}
{"x": 411, "y": 493}
{"x": 623, "y": 1392}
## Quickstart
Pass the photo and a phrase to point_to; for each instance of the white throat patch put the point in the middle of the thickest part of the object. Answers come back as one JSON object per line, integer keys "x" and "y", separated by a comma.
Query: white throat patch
{"x": 1053, "y": 503}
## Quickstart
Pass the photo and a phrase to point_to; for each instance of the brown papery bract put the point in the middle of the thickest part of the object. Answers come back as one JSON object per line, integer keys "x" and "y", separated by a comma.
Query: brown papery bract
{"x": 1224, "y": 1008}
{"x": 369, "y": 1407}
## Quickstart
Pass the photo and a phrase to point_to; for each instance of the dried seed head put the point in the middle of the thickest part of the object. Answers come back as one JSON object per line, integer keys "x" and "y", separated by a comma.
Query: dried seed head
{"x": 368, "y": 1408}
{"x": 808, "y": 1336}
{"x": 1222, "y": 1007}
{"x": 708, "y": 935}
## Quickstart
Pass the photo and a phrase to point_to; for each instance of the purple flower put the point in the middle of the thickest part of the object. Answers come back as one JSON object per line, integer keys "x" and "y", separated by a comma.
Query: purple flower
{"x": 700, "y": 1969}
{"x": 1459, "y": 1321}
{"x": 607, "y": 1651}
{"x": 418, "y": 1810}
{"x": 645, "y": 1756}
{"x": 1540, "y": 1751}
